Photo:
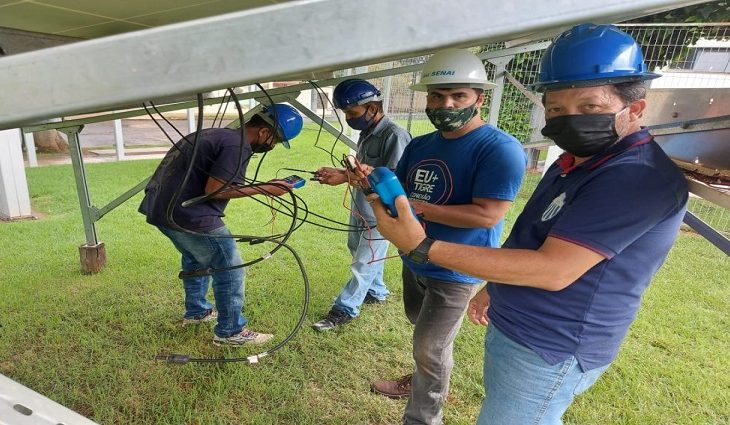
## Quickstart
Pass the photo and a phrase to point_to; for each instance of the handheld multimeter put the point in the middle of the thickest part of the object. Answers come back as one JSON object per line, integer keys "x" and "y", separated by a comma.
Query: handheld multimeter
{"x": 385, "y": 183}
{"x": 295, "y": 181}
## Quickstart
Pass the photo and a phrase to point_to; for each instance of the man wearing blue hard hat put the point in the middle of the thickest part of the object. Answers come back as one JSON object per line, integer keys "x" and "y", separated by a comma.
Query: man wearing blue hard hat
{"x": 567, "y": 283}
{"x": 198, "y": 165}
{"x": 380, "y": 144}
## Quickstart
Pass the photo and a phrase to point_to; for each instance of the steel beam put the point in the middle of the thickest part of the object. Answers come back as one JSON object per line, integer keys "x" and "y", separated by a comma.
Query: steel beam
{"x": 288, "y": 90}
{"x": 272, "y": 43}
{"x": 87, "y": 209}
{"x": 339, "y": 135}
{"x": 500, "y": 68}
{"x": 713, "y": 236}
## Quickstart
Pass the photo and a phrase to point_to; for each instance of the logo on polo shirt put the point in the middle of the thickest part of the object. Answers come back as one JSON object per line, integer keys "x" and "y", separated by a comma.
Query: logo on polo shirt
{"x": 554, "y": 208}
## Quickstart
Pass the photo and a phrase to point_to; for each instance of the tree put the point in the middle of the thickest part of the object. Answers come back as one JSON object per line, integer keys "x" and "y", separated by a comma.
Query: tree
{"x": 664, "y": 45}
{"x": 713, "y": 11}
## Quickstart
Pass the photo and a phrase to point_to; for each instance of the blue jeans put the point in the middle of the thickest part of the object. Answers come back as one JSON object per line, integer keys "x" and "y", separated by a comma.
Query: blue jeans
{"x": 366, "y": 278}
{"x": 523, "y": 389}
{"x": 216, "y": 251}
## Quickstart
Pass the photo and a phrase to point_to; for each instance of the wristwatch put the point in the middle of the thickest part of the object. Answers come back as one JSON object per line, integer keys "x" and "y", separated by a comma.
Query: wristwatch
{"x": 420, "y": 254}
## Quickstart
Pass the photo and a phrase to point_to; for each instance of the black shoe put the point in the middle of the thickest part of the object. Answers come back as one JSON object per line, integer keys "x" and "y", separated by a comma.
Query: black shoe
{"x": 333, "y": 319}
{"x": 369, "y": 299}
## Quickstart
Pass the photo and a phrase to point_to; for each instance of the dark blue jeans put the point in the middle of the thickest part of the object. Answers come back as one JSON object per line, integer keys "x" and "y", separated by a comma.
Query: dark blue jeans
{"x": 214, "y": 250}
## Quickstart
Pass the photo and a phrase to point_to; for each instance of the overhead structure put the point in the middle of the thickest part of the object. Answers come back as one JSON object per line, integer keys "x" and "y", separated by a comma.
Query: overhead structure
{"x": 279, "y": 42}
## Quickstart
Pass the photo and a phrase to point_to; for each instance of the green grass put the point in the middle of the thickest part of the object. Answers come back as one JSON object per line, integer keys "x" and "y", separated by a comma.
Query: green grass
{"x": 89, "y": 342}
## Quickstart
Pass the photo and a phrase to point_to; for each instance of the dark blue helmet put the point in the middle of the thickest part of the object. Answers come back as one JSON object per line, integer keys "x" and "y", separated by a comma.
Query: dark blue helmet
{"x": 354, "y": 92}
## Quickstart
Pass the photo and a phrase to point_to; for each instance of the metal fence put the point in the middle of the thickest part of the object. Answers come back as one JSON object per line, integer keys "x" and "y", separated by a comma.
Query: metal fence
{"x": 688, "y": 56}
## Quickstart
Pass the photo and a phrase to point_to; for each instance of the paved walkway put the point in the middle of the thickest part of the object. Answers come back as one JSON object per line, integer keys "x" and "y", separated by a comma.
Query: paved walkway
{"x": 143, "y": 139}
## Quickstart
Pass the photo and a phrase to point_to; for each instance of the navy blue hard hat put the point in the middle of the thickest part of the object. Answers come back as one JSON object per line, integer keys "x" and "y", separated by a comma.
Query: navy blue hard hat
{"x": 591, "y": 55}
{"x": 289, "y": 121}
{"x": 354, "y": 92}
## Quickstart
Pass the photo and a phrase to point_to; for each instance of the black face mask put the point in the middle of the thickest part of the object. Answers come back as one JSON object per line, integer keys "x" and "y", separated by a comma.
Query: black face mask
{"x": 259, "y": 147}
{"x": 582, "y": 135}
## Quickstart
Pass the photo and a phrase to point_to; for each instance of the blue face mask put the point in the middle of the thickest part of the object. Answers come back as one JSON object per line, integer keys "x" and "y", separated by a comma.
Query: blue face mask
{"x": 360, "y": 123}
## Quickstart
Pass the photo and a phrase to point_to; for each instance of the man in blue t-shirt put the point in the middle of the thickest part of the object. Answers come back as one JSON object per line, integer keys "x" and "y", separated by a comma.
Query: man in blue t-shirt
{"x": 209, "y": 168}
{"x": 460, "y": 180}
{"x": 568, "y": 281}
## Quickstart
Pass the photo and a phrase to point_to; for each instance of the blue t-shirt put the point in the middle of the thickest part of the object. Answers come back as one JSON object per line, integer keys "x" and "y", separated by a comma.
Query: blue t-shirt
{"x": 626, "y": 204}
{"x": 485, "y": 163}
{"x": 220, "y": 154}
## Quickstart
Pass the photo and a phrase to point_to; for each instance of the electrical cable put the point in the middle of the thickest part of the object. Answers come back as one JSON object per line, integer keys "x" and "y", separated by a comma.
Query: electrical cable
{"x": 288, "y": 207}
{"x": 250, "y": 239}
{"x": 321, "y": 94}
{"x": 184, "y": 358}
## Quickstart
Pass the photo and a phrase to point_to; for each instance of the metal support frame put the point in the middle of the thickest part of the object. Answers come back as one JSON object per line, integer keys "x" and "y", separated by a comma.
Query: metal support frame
{"x": 500, "y": 68}
{"x": 19, "y": 405}
{"x": 92, "y": 253}
{"x": 77, "y": 160}
{"x": 713, "y": 236}
{"x": 296, "y": 88}
{"x": 339, "y": 134}
{"x": 116, "y": 71}
{"x": 291, "y": 98}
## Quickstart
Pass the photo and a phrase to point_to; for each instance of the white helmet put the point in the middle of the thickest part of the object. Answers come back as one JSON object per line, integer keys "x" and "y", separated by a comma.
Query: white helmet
{"x": 453, "y": 68}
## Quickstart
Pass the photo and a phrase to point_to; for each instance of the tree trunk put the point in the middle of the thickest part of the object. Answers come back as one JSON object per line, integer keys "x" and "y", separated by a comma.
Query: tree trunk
{"x": 50, "y": 141}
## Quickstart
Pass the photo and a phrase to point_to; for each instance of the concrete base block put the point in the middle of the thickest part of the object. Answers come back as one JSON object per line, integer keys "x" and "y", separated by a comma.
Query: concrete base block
{"x": 93, "y": 258}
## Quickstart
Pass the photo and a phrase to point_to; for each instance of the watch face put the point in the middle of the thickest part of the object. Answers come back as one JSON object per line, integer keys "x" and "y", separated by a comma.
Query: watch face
{"x": 417, "y": 257}
{"x": 420, "y": 254}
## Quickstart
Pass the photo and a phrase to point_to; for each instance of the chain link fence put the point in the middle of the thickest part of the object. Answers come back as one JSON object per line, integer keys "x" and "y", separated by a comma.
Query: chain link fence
{"x": 687, "y": 55}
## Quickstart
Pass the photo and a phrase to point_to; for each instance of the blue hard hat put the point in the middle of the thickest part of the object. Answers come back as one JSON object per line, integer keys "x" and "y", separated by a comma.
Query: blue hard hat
{"x": 354, "y": 92}
{"x": 591, "y": 55}
{"x": 289, "y": 121}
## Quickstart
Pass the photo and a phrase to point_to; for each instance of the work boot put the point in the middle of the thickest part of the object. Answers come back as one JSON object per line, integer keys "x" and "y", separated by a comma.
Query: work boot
{"x": 369, "y": 299}
{"x": 393, "y": 389}
{"x": 333, "y": 319}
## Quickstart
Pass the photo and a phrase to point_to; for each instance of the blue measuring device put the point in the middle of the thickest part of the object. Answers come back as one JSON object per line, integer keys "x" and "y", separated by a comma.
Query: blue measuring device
{"x": 295, "y": 181}
{"x": 385, "y": 183}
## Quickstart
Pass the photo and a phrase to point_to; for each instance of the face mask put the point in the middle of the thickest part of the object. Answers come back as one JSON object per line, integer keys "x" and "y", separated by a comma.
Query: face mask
{"x": 451, "y": 119}
{"x": 582, "y": 135}
{"x": 360, "y": 123}
{"x": 259, "y": 147}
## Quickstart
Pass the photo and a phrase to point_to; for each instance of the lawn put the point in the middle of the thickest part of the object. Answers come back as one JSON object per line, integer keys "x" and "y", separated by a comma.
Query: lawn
{"x": 90, "y": 341}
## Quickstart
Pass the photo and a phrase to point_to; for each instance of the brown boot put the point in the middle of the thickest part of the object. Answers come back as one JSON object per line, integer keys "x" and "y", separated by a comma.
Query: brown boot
{"x": 393, "y": 389}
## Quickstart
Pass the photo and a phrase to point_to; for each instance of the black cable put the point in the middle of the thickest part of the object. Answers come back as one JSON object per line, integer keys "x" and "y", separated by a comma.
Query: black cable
{"x": 227, "y": 183}
{"x": 321, "y": 94}
{"x": 169, "y": 123}
{"x": 225, "y": 101}
{"x": 184, "y": 358}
